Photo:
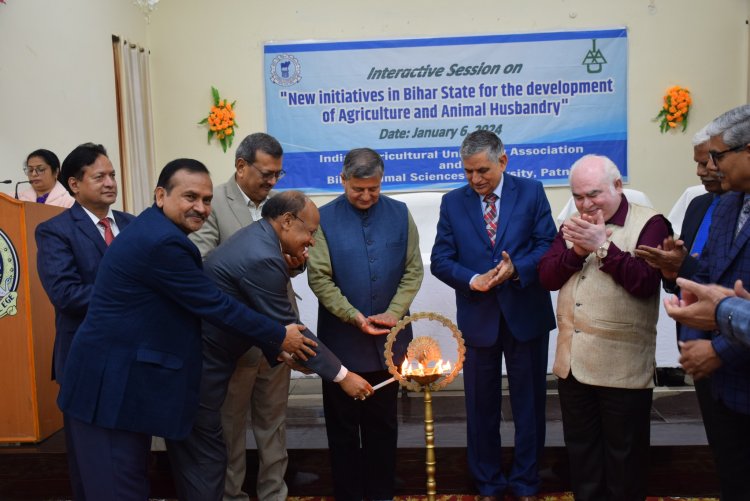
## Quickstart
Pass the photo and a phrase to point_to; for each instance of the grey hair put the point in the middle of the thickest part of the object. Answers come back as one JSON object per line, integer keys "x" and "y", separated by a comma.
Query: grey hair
{"x": 362, "y": 163}
{"x": 258, "y": 141}
{"x": 702, "y": 136}
{"x": 611, "y": 172}
{"x": 483, "y": 141}
{"x": 291, "y": 201}
{"x": 733, "y": 126}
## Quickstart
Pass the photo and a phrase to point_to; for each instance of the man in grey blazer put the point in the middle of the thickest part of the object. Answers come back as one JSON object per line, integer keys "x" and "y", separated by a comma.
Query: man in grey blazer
{"x": 251, "y": 267}
{"x": 254, "y": 385}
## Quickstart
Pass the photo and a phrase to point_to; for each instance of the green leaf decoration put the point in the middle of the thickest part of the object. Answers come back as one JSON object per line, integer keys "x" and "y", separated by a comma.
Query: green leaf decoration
{"x": 210, "y": 135}
{"x": 223, "y": 142}
{"x": 215, "y": 93}
{"x": 203, "y": 122}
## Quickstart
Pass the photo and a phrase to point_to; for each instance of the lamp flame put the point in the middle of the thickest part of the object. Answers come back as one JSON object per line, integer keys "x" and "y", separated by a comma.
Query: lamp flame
{"x": 440, "y": 367}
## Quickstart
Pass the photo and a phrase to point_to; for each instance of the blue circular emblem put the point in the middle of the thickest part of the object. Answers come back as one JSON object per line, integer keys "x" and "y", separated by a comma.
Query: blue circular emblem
{"x": 285, "y": 70}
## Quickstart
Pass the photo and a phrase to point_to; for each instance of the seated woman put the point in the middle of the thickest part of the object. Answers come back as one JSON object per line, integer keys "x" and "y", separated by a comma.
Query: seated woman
{"x": 42, "y": 167}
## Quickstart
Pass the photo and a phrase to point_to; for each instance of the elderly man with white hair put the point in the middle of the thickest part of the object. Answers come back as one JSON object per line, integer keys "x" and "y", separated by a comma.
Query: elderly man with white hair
{"x": 607, "y": 310}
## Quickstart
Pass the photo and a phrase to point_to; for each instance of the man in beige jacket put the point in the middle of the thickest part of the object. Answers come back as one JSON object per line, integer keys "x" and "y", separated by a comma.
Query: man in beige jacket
{"x": 607, "y": 310}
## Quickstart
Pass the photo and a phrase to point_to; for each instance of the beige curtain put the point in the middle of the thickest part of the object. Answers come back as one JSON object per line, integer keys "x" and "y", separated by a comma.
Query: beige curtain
{"x": 135, "y": 125}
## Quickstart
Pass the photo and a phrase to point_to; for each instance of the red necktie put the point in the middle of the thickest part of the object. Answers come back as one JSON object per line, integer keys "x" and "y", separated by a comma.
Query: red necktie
{"x": 108, "y": 235}
{"x": 490, "y": 216}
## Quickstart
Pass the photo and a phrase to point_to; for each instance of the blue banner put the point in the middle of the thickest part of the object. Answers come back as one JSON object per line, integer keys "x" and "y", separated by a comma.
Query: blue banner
{"x": 551, "y": 97}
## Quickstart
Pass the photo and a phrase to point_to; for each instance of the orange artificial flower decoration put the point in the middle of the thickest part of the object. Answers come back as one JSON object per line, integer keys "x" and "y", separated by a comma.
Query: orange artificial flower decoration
{"x": 220, "y": 120}
{"x": 675, "y": 109}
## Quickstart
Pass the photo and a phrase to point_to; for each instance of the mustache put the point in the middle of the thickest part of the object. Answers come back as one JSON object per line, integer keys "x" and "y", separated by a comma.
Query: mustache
{"x": 193, "y": 213}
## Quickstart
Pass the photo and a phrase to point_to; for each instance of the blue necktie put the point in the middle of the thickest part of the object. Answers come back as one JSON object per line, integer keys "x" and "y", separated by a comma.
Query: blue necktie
{"x": 702, "y": 235}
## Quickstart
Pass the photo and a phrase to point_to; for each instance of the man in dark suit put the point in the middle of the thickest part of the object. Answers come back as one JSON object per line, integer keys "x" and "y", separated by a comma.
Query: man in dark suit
{"x": 680, "y": 258}
{"x": 134, "y": 366}
{"x": 726, "y": 258}
{"x": 490, "y": 237}
{"x": 70, "y": 247}
{"x": 250, "y": 266}
{"x": 255, "y": 387}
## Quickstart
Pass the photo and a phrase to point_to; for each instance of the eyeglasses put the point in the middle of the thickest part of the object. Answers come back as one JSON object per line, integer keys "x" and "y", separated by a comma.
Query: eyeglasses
{"x": 311, "y": 232}
{"x": 267, "y": 176}
{"x": 29, "y": 171}
{"x": 716, "y": 156}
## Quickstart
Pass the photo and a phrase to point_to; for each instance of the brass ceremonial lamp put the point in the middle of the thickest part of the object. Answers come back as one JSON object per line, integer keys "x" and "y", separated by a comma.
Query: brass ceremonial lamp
{"x": 431, "y": 374}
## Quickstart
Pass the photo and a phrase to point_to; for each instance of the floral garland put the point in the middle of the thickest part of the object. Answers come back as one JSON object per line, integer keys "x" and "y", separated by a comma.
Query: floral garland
{"x": 220, "y": 120}
{"x": 675, "y": 110}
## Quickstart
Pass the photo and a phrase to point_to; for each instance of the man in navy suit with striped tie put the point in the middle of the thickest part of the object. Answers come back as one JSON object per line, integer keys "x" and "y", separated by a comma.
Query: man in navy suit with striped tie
{"x": 490, "y": 238}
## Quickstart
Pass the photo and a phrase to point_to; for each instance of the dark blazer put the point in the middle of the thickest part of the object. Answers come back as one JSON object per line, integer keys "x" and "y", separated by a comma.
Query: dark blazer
{"x": 462, "y": 249}
{"x": 135, "y": 362}
{"x": 725, "y": 259}
{"x": 250, "y": 267}
{"x": 69, "y": 250}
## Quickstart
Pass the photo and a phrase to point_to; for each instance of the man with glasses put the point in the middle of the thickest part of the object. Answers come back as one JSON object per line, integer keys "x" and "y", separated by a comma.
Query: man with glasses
{"x": 255, "y": 385}
{"x": 726, "y": 258}
{"x": 490, "y": 237}
{"x": 365, "y": 269}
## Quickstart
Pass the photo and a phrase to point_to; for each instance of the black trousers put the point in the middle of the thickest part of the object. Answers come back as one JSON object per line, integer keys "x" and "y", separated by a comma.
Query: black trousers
{"x": 728, "y": 435}
{"x": 607, "y": 433}
{"x": 362, "y": 438}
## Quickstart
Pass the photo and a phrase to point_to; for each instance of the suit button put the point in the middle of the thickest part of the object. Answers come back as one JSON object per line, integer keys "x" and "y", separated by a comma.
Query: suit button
{"x": 374, "y": 279}
{"x": 369, "y": 242}
{"x": 372, "y": 259}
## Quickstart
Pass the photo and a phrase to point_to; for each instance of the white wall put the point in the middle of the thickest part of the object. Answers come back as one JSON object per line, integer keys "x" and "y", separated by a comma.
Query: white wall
{"x": 695, "y": 43}
{"x": 57, "y": 87}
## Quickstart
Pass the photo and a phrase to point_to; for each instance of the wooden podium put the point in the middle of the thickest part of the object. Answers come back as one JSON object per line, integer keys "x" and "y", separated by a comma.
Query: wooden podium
{"x": 28, "y": 411}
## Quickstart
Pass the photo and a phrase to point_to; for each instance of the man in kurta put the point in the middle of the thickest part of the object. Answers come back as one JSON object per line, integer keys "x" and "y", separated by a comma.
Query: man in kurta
{"x": 365, "y": 270}
{"x": 607, "y": 310}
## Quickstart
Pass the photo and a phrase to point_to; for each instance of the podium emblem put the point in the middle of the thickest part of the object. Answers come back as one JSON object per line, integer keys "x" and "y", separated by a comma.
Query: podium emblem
{"x": 8, "y": 276}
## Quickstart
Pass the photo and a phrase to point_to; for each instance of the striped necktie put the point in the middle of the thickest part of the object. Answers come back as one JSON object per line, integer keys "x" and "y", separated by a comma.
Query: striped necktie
{"x": 742, "y": 218}
{"x": 490, "y": 216}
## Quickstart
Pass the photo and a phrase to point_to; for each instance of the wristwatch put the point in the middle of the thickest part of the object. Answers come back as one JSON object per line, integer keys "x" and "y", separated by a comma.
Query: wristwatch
{"x": 601, "y": 251}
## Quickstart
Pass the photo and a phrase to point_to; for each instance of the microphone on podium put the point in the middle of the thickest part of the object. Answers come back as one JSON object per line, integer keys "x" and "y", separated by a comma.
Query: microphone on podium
{"x": 20, "y": 182}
